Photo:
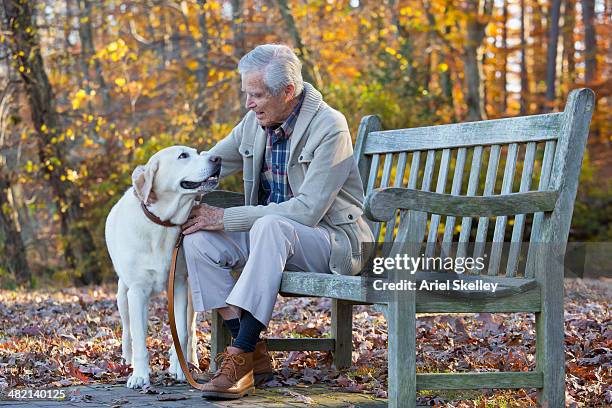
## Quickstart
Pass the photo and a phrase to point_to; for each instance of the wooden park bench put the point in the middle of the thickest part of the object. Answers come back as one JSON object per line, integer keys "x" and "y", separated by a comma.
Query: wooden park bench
{"x": 541, "y": 156}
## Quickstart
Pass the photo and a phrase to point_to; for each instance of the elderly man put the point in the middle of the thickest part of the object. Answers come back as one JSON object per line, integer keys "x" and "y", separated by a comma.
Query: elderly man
{"x": 303, "y": 211}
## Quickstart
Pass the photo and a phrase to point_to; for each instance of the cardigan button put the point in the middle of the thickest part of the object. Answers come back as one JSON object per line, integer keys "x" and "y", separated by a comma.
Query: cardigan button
{"x": 301, "y": 157}
{"x": 350, "y": 216}
{"x": 246, "y": 152}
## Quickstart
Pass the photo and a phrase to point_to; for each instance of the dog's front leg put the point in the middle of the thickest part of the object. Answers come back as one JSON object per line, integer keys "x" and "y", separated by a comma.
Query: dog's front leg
{"x": 138, "y": 300}
{"x": 180, "y": 313}
{"x": 192, "y": 339}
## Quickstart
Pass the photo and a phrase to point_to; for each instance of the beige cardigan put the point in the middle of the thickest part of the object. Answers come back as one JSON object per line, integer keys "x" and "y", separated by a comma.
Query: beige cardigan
{"x": 322, "y": 173}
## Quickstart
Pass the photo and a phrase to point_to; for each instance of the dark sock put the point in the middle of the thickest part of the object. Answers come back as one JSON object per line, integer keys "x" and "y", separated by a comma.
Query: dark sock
{"x": 250, "y": 328}
{"x": 233, "y": 325}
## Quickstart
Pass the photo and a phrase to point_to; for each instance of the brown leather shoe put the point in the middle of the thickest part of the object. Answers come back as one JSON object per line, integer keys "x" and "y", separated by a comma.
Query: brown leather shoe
{"x": 262, "y": 363}
{"x": 234, "y": 378}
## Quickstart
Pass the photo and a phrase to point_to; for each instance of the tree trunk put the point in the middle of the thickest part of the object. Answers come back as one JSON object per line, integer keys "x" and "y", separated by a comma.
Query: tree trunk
{"x": 88, "y": 51}
{"x": 590, "y": 41}
{"x": 239, "y": 46}
{"x": 524, "y": 80}
{"x": 478, "y": 14}
{"x": 551, "y": 55}
{"x": 12, "y": 250}
{"x": 79, "y": 246}
{"x": 13, "y": 256}
{"x": 569, "y": 50}
{"x": 406, "y": 43}
{"x": 447, "y": 81}
{"x": 538, "y": 33}
{"x": 569, "y": 23}
{"x": 504, "y": 70}
{"x": 203, "y": 50}
{"x": 311, "y": 72}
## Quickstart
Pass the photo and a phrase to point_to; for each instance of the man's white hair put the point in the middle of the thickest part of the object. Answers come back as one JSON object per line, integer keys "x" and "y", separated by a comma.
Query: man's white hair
{"x": 279, "y": 65}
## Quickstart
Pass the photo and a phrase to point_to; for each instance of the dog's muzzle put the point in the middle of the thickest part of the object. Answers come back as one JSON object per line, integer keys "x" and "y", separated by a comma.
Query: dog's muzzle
{"x": 212, "y": 180}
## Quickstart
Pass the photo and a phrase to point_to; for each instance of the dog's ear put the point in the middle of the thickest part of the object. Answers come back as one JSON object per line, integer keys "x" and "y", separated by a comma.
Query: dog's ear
{"x": 142, "y": 180}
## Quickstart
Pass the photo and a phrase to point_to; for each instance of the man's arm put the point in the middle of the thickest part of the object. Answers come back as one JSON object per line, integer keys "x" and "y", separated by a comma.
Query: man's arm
{"x": 327, "y": 173}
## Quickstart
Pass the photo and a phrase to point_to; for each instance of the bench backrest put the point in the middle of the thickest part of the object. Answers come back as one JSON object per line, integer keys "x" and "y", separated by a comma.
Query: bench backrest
{"x": 530, "y": 153}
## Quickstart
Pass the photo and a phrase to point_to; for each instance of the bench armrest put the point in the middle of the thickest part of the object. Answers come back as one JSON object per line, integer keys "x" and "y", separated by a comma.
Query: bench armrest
{"x": 382, "y": 203}
{"x": 223, "y": 199}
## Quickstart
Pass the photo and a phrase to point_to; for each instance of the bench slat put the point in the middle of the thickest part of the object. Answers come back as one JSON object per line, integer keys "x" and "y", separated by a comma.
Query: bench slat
{"x": 223, "y": 199}
{"x": 381, "y": 204}
{"x": 414, "y": 169}
{"x": 384, "y": 182}
{"x": 489, "y": 132}
{"x": 458, "y": 381}
{"x": 519, "y": 219}
{"x": 449, "y": 228}
{"x": 483, "y": 222}
{"x": 547, "y": 162}
{"x": 368, "y": 124}
{"x": 306, "y": 344}
{"x": 466, "y": 223}
{"x": 500, "y": 222}
{"x": 418, "y": 219}
{"x": 386, "y": 175}
{"x": 415, "y": 218}
{"x": 440, "y": 186}
{"x": 399, "y": 178}
{"x": 373, "y": 172}
{"x": 375, "y": 161}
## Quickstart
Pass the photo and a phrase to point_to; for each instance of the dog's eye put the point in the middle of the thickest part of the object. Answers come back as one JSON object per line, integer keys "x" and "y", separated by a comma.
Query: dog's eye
{"x": 183, "y": 155}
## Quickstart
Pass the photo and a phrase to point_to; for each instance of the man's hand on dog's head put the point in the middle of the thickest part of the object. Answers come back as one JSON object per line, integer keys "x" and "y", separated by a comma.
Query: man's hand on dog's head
{"x": 203, "y": 217}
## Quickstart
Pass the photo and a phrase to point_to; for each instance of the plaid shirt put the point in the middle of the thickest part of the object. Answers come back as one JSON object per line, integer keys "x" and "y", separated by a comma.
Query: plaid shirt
{"x": 274, "y": 186}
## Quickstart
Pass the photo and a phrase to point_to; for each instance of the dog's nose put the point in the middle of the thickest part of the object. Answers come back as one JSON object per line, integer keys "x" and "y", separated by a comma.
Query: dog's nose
{"x": 215, "y": 159}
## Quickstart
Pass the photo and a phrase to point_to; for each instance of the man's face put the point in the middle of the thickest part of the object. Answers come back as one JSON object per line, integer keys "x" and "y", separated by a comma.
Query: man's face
{"x": 269, "y": 109}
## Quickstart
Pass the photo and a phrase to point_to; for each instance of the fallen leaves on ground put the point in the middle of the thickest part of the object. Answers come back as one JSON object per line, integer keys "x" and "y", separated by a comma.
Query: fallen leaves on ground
{"x": 73, "y": 336}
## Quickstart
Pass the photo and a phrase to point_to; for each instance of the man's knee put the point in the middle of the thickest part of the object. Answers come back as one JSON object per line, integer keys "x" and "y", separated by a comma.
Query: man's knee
{"x": 199, "y": 243}
{"x": 209, "y": 248}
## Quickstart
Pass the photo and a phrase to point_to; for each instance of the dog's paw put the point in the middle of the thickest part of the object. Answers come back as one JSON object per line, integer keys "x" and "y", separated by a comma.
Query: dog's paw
{"x": 138, "y": 379}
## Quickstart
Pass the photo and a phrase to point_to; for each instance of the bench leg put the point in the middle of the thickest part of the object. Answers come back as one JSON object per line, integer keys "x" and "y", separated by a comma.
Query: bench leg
{"x": 550, "y": 350}
{"x": 220, "y": 338}
{"x": 402, "y": 351}
{"x": 342, "y": 331}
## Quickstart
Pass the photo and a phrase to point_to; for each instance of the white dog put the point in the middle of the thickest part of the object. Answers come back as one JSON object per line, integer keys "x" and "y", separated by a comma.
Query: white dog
{"x": 141, "y": 249}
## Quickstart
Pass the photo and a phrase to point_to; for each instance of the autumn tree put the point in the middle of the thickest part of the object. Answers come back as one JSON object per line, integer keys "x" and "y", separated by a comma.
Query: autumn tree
{"x": 23, "y": 43}
{"x": 478, "y": 14}
{"x": 590, "y": 42}
{"x": 13, "y": 256}
{"x": 551, "y": 55}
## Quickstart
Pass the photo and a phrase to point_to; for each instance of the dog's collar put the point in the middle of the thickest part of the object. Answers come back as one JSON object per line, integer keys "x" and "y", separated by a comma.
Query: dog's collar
{"x": 154, "y": 218}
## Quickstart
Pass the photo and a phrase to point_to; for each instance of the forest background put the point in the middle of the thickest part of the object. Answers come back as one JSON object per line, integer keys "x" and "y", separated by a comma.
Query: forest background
{"x": 90, "y": 89}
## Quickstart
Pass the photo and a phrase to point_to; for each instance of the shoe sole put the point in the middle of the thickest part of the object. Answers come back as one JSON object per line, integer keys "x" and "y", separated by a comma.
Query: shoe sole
{"x": 227, "y": 395}
{"x": 262, "y": 378}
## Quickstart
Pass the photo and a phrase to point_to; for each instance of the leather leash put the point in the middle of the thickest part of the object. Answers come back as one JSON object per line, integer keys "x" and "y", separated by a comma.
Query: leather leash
{"x": 175, "y": 339}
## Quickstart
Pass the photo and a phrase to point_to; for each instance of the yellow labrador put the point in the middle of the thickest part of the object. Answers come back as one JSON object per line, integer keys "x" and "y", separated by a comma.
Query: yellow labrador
{"x": 141, "y": 249}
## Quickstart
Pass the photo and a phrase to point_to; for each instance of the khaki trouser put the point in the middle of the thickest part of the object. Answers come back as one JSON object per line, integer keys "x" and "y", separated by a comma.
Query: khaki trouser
{"x": 273, "y": 244}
